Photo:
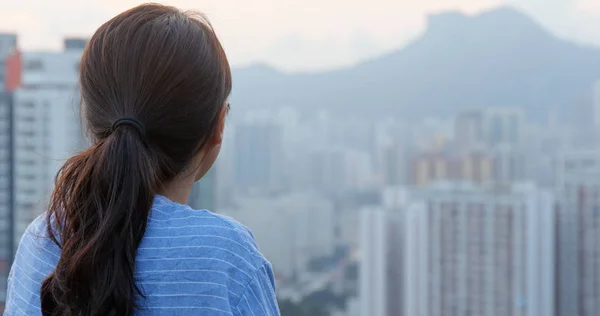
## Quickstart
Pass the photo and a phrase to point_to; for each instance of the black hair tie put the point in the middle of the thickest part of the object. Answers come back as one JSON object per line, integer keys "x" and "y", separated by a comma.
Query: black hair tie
{"x": 130, "y": 122}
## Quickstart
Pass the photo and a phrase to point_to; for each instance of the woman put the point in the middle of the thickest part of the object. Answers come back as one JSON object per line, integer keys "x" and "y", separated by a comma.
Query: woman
{"x": 117, "y": 238}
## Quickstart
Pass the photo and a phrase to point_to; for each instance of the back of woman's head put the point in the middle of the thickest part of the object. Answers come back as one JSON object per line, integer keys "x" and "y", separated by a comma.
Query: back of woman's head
{"x": 154, "y": 81}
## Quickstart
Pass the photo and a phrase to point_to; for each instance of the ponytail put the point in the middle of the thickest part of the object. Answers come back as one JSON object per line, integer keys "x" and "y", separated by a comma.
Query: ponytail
{"x": 97, "y": 216}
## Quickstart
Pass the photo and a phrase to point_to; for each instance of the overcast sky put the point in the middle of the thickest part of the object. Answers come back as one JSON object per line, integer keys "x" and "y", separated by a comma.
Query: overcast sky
{"x": 292, "y": 34}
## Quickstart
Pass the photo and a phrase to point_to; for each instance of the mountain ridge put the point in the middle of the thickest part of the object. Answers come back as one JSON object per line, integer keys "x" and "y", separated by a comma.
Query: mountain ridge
{"x": 500, "y": 57}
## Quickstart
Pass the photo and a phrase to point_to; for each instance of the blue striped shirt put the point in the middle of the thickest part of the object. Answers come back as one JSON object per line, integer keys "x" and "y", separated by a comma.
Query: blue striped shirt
{"x": 189, "y": 263}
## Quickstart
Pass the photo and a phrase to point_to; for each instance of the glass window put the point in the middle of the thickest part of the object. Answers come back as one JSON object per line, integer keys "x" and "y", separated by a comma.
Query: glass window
{"x": 34, "y": 64}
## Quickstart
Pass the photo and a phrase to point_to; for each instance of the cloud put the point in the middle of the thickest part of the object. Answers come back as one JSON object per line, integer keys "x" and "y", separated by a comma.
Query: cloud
{"x": 588, "y": 5}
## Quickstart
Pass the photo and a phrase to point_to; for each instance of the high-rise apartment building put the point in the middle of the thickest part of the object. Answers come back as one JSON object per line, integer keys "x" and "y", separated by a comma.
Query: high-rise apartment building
{"x": 258, "y": 156}
{"x": 394, "y": 165}
{"x": 384, "y": 246}
{"x": 578, "y": 240}
{"x": 8, "y": 54}
{"x": 504, "y": 136}
{"x": 503, "y": 126}
{"x": 478, "y": 251}
{"x": 46, "y": 127}
{"x": 374, "y": 262}
{"x": 595, "y": 107}
{"x": 468, "y": 130}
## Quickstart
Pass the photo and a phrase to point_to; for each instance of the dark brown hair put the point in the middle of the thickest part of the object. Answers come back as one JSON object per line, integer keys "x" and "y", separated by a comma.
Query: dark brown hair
{"x": 166, "y": 70}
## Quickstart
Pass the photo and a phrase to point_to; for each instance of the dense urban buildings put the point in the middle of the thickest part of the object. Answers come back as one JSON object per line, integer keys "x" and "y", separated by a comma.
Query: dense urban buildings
{"x": 458, "y": 249}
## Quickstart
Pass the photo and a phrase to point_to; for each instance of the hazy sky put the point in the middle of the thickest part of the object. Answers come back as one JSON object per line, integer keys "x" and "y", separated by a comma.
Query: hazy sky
{"x": 291, "y": 34}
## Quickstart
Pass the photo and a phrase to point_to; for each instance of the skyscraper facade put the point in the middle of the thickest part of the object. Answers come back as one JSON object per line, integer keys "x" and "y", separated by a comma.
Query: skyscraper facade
{"x": 476, "y": 251}
{"x": 46, "y": 128}
{"x": 595, "y": 115}
{"x": 578, "y": 242}
{"x": 374, "y": 262}
{"x": 385, "y": 244}
{"x": 8, "y": 51}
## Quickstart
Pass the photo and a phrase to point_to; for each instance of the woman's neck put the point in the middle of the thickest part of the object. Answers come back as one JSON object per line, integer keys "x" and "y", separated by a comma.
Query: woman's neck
{"x": 179, "y": 190}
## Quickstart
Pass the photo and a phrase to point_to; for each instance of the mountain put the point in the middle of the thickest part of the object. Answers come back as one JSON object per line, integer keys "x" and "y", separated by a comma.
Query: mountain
{"x": 497, "y": 58}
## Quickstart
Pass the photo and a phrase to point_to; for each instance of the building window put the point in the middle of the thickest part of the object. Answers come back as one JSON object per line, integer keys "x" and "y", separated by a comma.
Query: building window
{"x": 28, "y": 162}
{"x": 29, "y": 191}
{"x": 34, "y": 64}
{"x": 28, "y": 147}
{"x": 29, "y": 119}
{"x": 27, "y": 206}
{"x": 27, "y": 104}
{"x": 28, "y": 177}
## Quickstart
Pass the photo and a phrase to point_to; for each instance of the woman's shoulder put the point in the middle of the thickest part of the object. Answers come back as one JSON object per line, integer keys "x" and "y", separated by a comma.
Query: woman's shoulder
{"x": 203, "y": 232}
{"x": 37, "y": 236}
{"x": 185, "y": 247}
{"x": 36, "y": 242}
{"x": 34, "y": 260}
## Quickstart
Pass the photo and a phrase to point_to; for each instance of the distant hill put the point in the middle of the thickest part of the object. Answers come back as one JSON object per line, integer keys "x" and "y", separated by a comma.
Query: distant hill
{"x": 497, "y": 58}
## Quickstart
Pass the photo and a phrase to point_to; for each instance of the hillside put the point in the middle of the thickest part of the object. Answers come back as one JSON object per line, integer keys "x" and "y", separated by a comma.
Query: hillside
{"x": 497, "y": 58}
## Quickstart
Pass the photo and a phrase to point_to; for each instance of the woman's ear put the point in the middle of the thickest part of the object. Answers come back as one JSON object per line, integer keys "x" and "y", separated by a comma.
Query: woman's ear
{"x": 218, "y": 136}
